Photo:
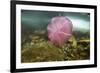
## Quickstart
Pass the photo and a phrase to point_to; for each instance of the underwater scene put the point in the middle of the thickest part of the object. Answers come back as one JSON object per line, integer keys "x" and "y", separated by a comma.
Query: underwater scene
{"x": 48, "y": 36}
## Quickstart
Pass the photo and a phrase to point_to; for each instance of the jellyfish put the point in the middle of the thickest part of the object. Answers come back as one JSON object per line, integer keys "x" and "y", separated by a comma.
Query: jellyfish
{"x": 59, "y": 30}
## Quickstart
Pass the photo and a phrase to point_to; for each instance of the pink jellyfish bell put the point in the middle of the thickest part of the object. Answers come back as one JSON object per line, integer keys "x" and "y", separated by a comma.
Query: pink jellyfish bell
{"x": 59, "y": 30}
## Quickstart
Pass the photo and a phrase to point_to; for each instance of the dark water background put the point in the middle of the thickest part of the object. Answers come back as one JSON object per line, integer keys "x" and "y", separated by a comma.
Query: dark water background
{"x": 38, "y": 20}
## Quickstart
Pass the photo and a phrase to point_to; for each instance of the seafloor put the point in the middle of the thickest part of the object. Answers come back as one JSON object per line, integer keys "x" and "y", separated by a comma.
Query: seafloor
{"x": 36, "y": 47}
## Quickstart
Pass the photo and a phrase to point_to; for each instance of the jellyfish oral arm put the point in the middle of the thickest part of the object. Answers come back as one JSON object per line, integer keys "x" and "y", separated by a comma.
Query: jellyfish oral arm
{"x": 65, "y": 33}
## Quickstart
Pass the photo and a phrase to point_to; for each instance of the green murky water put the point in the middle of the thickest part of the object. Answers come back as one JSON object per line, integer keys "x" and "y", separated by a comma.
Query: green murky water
{"x": 36, "y": 47}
